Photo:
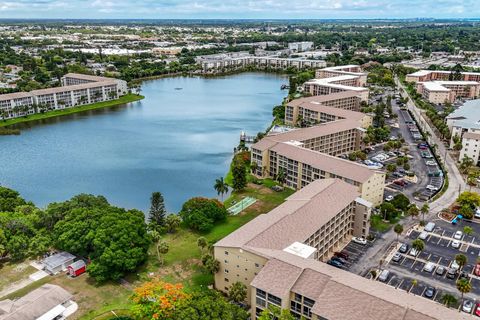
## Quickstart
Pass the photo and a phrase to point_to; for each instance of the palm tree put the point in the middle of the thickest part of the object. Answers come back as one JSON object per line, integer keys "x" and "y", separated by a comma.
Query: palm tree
{"x": 413, "y": 211}
{"x": 464, "y": 286}
{"x": 448, "y": 300}
{"x": 425, "y": 208}
{"x": 202, "y": 243}
{"x": 468, "y": 230}
{"x": 461, "y": 259}
{"x": 162, "y": 248}
{"x": 156, "y": 238}
{"x": 398, "y": 229}
{"x": 418, "y": 244}
{"x": 281, "y": 178}
{"x": 221, "y": 186}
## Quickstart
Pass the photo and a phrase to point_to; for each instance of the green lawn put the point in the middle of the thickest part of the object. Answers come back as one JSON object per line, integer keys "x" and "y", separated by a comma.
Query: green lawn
{"x": 377, "y": 223}
{"x": 13, "y": 272}
{"x": 182, "y": 262}
{"x": 58, "y": 113}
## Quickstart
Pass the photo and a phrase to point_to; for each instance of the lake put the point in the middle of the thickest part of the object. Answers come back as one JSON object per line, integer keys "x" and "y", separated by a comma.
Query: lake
{"x": 174, "y": 141}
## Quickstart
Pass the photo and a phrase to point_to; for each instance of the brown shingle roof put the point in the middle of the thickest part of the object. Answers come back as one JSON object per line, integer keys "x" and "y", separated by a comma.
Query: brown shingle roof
{"x": 296, "y": 218}
{"x": 346, "y": 296}
{"x": 340, "y": 167}
{"x": 307, "y": 133}
{"x": 471, "y": 135}
{"x": 86, "y": 77}
{"x": 324, "y": 98}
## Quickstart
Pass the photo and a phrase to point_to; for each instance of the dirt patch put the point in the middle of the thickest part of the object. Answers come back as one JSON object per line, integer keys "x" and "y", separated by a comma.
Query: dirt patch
{"x": 260, "y": 188}
{"x": 180, "y": 271}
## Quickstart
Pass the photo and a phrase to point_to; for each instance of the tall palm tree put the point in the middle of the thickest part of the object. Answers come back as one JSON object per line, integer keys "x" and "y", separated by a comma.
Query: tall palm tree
{"x": 464, "y": 286}
{"x": 221, "y": 186}
{"x": 425, "y": 208}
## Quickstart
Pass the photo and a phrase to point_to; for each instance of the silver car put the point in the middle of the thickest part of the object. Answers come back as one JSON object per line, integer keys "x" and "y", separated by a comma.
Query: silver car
{"x": 467, "y": 306}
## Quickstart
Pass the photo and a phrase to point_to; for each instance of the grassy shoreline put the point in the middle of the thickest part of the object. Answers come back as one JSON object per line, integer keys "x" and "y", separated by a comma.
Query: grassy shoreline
{"x": 58, "y": 113}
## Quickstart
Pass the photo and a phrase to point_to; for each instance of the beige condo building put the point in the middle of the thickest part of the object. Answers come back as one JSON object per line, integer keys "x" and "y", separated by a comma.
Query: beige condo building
{"x": 438, "y": 87}
{"x": 279, "y": 255}
{"x": 76, "y": 90}
{"x": 322, "y": 109}
{"x": 338, "y": 79}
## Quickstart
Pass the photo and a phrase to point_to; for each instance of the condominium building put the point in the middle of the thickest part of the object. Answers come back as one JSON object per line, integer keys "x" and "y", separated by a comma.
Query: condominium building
{"x": 351, "y": 70}
{"x": 471, "y": 146}
{"x": 314, "y": 221}
{"x": 334, "y": 138}
{"x": 237, "y": 61}
{"x": 300, "y": 46}
{"x": 338, "y": 79}
{"x": 279, "y": 255}
{"x": 439, "y": 87}
{"x": 301, "y": 166}
{"x": 321, "y": 109}
{"x": 76, "y": 90}
{"x": 437, "y": 75}
{"x": 464, "y": 123}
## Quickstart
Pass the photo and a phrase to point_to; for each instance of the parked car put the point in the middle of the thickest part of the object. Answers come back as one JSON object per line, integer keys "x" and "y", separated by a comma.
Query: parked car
{"x": 477, "y": 213}
{"x": 429, "y": 227}
{"x": 413, "y": 252}
{"x": 341, "y": 260}
{"x": 342, "y": 255}
{"x": 431, "y": 188}
{"x": 477, "y": 309}
{"x": 451, "y": 273}
{"x": 467, "y": 306}
{"x": 389, "y": 198}
{"x": 429, "y": 266}
{"x": 383, "y": 277}
{"x": 455, "y": 265}
{"x": 396, "y": 257}
{"x": 440, "y": 270}
{"x": 455, "y": 244}
{"x": 334, "y": 263}
{"x": 458, "y": 235}
{"x": 477, "y": 270}
{"x": 360, "y": 240}
{"x": 430, "y": 163}
{"x": 423, "y": 235}
{"x": 400, "y": 182}
{"x": 430, "y": 292}
{"x": 403, "y": 248}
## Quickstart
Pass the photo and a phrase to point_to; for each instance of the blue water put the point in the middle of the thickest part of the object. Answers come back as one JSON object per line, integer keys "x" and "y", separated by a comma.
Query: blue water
{"x": 174, "y": 141}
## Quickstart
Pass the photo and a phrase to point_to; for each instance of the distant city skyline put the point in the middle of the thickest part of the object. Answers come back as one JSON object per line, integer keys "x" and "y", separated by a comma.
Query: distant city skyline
{"x": 235, "y": 9}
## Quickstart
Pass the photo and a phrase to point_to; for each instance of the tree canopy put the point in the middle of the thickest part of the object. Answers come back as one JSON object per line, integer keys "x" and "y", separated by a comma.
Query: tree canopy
{"x": 200, "y": 214}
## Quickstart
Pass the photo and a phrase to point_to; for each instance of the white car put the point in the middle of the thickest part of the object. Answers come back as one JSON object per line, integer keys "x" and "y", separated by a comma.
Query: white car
{"x": 429, "y": 267}
{"x": 359, "y": 240}
{"x": 431, "y": 163}
{"x": 423, "y": 235}
{"x": 455, "y": 244}
{"x": 431, "y": 188}
{"x": 455, "y": 265}
{"x": 389, "y": 198}
{"x": 477, "y": 213}
{"x": 467, "y": 306}
{"x": 458, "y": 235}
{"x": 413, "y": 252}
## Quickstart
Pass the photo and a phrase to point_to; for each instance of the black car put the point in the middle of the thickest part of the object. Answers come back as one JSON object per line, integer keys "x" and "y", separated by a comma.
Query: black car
{"x": 341, "y": 260}
{"x": 430, "y": 292}
{"x": 334, "y": 263}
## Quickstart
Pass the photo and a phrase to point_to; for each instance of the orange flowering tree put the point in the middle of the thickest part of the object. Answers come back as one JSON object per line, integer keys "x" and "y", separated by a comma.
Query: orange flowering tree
{"x": 157, "y": 300}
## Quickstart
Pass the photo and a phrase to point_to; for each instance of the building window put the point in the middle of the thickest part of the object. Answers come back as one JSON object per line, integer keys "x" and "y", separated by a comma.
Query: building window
{"x": 226, "y": 253}
{"x": 274, "y": 299}
{"x": 226, "y": 280}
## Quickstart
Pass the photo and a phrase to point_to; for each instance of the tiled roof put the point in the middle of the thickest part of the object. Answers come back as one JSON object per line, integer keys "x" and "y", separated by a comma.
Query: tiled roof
{"x": 324, "y": 98}
{"x": 340, "y": 167}
{"x": 298, "y": 217}
{"x": 341, "y": 295}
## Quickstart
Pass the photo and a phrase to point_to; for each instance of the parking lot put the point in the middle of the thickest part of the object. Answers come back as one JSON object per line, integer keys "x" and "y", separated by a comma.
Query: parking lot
{"x": 355, "y": 252}
{"x": 438, "y": 251}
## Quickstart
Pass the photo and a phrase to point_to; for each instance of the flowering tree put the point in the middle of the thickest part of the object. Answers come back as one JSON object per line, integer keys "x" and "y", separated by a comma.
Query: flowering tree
{"x": 157, "y": 299}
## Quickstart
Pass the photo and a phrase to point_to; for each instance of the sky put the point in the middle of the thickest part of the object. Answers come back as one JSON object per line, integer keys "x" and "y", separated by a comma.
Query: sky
{"x": 238, "y": 9}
